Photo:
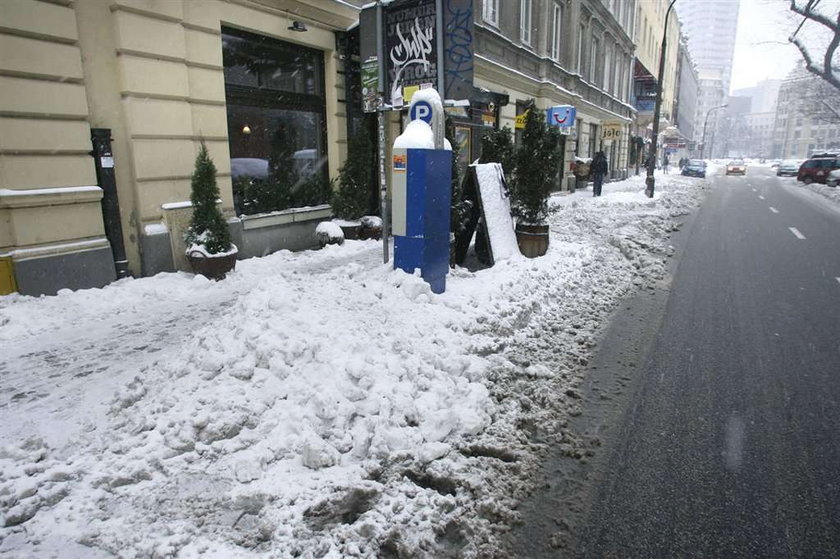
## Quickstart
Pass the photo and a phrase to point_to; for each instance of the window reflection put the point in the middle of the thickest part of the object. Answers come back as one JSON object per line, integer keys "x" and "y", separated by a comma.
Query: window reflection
{"x": 276, "y": 123}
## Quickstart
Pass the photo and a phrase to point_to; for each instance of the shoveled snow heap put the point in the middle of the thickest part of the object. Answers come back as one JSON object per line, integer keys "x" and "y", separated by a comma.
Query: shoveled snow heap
{"x": 317, "y": 404}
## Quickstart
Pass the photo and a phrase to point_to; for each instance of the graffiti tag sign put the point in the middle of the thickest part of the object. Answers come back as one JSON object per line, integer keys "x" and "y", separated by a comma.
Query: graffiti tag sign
{"x": 410, "y": 54}
{"x": 410, "y": 46}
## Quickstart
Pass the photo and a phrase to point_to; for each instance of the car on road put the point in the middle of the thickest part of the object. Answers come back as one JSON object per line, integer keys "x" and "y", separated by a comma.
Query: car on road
{"x": 736, "y": 167}
{"x": 833, "y": 178}
{"x": 695, "y": 168}
{"x": 818, "y": 167}
{"x": 788, "y": 168}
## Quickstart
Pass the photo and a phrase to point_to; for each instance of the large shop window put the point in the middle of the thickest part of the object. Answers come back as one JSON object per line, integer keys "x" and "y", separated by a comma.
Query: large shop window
{"x": 277, "y": 131}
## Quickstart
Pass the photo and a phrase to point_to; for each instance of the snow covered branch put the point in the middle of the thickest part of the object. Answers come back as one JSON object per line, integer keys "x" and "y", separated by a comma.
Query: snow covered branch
{"x": 825, "y": 70}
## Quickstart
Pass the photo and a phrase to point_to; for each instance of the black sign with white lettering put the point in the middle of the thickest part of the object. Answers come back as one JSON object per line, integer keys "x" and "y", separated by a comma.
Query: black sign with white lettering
{"x": 410, "y": 45}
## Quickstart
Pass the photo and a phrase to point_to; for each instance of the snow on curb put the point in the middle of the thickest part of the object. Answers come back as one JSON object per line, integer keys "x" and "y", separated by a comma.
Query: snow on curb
{"x": 331, "y": 407}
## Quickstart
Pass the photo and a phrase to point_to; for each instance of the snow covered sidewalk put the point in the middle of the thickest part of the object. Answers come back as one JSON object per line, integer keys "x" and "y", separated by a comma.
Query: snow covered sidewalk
{"x": 317, "y": 404}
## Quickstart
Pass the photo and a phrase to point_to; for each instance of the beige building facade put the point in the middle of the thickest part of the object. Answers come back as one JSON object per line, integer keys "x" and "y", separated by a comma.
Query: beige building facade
{"x": 151, "y": 71}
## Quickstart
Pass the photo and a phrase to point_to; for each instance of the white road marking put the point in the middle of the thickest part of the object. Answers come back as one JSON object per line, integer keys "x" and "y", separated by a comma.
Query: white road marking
{"x": 733, "y": 451}
{"x": 838, "y": 280}
{"x": 774, "y": 210}
{"x": 760, "y": 197}
{"x": 796, "y": 232}
{"x": 754, "y": 190}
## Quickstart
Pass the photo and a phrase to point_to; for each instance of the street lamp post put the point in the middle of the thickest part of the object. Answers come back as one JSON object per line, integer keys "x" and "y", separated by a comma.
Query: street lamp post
{"x": 650, "y": 181}
{"x": 706, "y": 123}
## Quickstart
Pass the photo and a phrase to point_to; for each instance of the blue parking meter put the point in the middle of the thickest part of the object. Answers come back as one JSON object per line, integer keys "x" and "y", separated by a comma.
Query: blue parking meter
{"x": 421, "y": 176}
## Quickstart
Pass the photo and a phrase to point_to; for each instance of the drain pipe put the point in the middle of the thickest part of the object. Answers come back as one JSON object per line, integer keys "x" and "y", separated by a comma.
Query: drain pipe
{"x": 104, "y": 162}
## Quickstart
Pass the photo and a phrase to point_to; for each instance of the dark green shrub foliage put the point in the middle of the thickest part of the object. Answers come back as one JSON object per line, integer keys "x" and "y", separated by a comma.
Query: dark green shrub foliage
{"x": 311, "y": 191}
{"x": 356, "y": 180}
{"x": 537, "y": 163}
{"x": 460, "y": 208}
{"x": 207, "y": 226}
{"x": 497, "y": 147}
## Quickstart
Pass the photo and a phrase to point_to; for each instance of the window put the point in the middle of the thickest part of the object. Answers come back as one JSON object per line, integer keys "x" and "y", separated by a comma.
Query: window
{"x": 525, "y": 21}
{"x": 581, "y": 45}
{"x": 490, "y": 11}
{"x": 593, "y": 58}
{"x": 607, "y": 68}
{"x": 274, "y": 93}
{"x": 556, "y": 26}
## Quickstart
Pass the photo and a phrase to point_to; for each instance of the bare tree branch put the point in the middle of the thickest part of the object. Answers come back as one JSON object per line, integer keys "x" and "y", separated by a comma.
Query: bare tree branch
{"x": 826, "y": 71}
{"x": 806, "y": 12}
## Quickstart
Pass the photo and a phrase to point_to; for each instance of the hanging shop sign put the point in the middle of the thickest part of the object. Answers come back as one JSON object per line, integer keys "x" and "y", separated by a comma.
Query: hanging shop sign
{"x": 520, "y": 120}
{"x": 562, "y": 116}
{"x": 611, "y": 131}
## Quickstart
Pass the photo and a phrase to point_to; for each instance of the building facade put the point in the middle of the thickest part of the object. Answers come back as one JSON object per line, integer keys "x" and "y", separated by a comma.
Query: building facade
{"x": 802, "y": 125}
{"x": 686, "y": 107}
{"x": 711, "y": 27}
{"x": 649, "y": 31}
{"x": 272, "y": 87}
{"x": 558, "y": 52}
{"x": 160, "y": 77}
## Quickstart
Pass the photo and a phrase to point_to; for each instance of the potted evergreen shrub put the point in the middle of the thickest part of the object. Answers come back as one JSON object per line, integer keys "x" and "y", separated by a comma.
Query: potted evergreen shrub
{"x": 352, "y": 199}
{"x": 209, "y": 248}
{"x": 497, "y": 147}
{"x": 537, "y": 163}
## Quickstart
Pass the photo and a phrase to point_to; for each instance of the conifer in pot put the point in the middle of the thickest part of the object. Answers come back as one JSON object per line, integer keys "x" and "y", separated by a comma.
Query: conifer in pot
{"x": 210, "y": 250}
{"x": 537, "y": 162}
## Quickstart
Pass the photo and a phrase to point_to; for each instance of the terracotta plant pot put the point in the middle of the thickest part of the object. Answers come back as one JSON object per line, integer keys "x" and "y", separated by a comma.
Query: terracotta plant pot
{"x": 532, "y": 239}
{"x": 212, "y": 267}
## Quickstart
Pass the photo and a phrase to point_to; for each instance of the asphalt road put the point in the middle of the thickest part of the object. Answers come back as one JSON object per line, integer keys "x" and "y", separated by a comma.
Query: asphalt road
{"x": 730, "y": 442}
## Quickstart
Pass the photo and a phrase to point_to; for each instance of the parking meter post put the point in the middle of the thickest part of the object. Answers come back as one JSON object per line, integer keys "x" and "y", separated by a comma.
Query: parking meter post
{"x": 421, "y": 183}
{"x": 380, "y": 123}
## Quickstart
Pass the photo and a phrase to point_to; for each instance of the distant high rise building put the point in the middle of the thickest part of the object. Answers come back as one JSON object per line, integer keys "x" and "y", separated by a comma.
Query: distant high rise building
{"x": 763, "y": 95}
{"x": 710, "y": 26}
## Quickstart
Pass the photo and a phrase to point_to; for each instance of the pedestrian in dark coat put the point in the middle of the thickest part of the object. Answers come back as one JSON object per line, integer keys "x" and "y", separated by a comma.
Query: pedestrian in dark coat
{"x": 598, "y": 169}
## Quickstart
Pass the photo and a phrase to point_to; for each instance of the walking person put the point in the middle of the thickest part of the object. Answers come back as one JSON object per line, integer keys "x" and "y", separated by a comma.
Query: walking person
{"x": 665, "y": 164}
{"x": 598, "y": 169}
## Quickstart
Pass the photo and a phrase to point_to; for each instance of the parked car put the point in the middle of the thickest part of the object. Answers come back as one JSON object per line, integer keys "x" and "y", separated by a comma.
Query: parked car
{"x": 695, "y": 168}
{"x": 788, "y": 168}
{"x": 833, "y": 178}
{"x": 736, "y": 167}
{"x": 817, "y": 168}
{"x": 775, "y": 164}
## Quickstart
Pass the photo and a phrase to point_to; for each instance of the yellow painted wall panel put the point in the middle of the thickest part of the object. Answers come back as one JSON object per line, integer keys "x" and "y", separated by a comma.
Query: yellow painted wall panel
{"x": 207, "y": 84}
{"x": 163, "y": 158}
{"x": 155, "y": 116}
{"x": 30, "y": 134}
{"x": 220, "y": 153}
{"x": 148, "y": 35}
{"x": 21, "y": 54}
{"x": 276, "y": 26}
{"x": 205, "y": 14}
{"x": 204, "y": 47}
{"x": 46, "y": 171}
{"x": 6, "y": 238}
{"x": 49, "y": 224}
{"x": 35, "y": 96}
{"x": 7, "y": 276}
{"x": 164, "y": 7}
{"x": 40, "y": 17}
{"x": 153, "y": 194}
{"x": 209, "y": 120}
{"x": 143, "y": 75}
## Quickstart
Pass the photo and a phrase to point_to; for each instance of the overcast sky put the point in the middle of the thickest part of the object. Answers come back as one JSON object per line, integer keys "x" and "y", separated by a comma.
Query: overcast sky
{"x": 761, "y": 48}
